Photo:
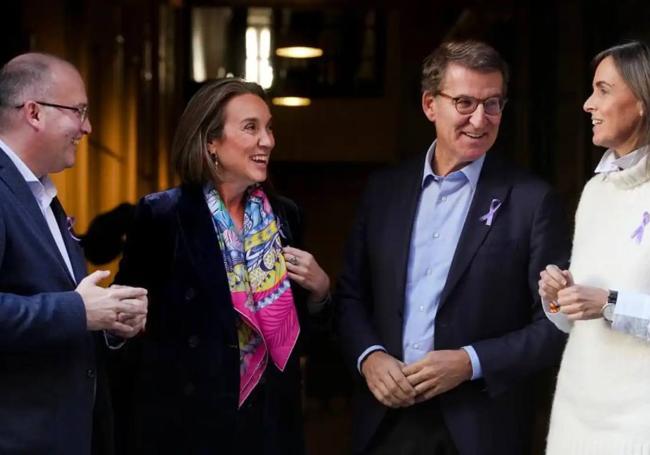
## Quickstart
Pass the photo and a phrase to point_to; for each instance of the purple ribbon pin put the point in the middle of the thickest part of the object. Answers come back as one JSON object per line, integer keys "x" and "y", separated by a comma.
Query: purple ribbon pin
{"x": 637, "y": 235}
{"x": 70, "y": 224}
{"x": 494, "y": 206}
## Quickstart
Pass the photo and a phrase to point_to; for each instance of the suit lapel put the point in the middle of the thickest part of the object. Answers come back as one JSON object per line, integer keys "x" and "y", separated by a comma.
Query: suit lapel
{"x": 197, "y": 230}
{"x": 27, "y": 202}
{"x": 493, "y": 183}
{"x": 75, "y": 253}
{"x": 405, "y": 203}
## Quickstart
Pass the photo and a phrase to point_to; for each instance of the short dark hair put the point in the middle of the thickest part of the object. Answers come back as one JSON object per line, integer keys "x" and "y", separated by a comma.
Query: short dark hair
{"x": 632, "y": 61}
{"x": 203, "y": 121}
{"x": 471, "y": 54}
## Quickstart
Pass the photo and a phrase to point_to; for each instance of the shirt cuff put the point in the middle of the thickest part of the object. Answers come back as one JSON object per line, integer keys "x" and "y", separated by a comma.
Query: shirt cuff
{"x": 632, "y": 314}
{"x": 367, "y": 352}
{"x": 559, "y": 319}
{"x": 477, "y": 371}
{"x": 632, "y": 304}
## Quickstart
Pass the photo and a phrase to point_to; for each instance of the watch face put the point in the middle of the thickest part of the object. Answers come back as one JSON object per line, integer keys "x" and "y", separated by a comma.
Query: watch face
{"x": 608, "y": 312}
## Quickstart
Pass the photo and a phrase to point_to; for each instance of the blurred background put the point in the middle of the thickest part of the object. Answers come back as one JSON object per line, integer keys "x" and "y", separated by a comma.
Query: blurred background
{"x": 354, "y": 106}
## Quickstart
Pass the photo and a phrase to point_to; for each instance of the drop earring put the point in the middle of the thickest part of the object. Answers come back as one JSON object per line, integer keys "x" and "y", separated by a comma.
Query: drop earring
{"x": 214, "y": 158}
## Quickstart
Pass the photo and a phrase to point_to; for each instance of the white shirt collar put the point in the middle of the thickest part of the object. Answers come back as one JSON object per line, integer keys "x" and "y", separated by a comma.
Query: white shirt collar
{"x": 43, "y": 190}
{"x": 609, "y": 162}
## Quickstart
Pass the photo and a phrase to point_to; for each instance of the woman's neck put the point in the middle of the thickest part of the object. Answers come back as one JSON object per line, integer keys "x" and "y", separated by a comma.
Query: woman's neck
{"x": 233, "y": 199}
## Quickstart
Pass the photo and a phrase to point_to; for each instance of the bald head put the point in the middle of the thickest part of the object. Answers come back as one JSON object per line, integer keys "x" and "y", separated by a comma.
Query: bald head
{"x": 28, "y": 76}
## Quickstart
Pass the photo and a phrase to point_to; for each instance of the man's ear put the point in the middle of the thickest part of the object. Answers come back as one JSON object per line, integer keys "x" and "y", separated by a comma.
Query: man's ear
{"x": 32, "y": 113}
{"x": 429, "y": 105}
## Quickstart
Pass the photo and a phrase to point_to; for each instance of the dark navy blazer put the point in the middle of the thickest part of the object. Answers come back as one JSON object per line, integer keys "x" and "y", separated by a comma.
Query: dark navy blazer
{"x": 48, "y": 376}
{"x": 489, "y": 301}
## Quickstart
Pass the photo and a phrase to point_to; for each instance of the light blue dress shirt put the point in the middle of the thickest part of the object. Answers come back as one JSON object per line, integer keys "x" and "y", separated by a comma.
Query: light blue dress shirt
{"x": 442, "y": 209}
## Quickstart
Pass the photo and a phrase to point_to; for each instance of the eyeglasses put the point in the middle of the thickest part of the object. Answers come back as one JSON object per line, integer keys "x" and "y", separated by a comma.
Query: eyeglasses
{"x": 467, "y": 104}
{"x": 82, "y": 112}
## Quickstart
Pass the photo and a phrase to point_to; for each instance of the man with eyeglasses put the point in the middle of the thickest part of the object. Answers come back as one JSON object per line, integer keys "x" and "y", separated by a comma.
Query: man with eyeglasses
{"x": 51, "y": 379}
{"x": 437, "y": 305}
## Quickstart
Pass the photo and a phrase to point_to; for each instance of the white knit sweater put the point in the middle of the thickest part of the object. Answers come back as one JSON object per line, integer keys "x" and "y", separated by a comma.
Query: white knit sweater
{"x": 602, "y": 400}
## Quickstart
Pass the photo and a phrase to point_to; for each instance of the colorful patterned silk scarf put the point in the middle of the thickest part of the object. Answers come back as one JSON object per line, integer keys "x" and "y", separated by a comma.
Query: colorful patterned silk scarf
{"x": 259, "y": 286}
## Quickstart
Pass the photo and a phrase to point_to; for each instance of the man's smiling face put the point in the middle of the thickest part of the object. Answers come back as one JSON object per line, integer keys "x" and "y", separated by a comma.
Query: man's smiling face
{"x": 463, "y": 138}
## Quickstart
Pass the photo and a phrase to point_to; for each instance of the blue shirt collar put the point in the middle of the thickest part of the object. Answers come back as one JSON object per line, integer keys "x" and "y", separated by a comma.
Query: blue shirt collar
{"x": 471, "y": 171}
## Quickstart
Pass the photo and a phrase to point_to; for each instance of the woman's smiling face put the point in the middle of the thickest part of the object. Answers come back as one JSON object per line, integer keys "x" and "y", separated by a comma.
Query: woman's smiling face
{"x": 616, "y": 114}
{"x": 244, "y": 148}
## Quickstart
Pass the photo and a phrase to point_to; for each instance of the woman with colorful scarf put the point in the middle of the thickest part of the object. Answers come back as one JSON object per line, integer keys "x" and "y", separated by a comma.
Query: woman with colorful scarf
{"x": 217, "y": 371}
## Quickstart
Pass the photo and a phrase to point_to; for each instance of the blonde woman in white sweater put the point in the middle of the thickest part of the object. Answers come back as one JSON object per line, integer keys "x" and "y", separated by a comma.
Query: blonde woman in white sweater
{"x": 602, "y": 399}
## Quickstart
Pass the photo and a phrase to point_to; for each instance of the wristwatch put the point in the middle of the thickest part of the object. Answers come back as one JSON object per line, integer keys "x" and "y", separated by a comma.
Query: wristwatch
{"x": 608, "y": 309}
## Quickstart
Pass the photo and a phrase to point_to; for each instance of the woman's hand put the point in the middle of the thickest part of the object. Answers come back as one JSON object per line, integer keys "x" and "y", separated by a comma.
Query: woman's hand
{"x": 551, "y": 281}
{"x": 582, "y": 302}
{"x": 304, "y": 270}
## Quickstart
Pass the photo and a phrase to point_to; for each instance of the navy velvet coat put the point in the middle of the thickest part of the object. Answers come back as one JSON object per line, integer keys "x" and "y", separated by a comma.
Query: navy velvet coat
{"x": 177, "y": 386}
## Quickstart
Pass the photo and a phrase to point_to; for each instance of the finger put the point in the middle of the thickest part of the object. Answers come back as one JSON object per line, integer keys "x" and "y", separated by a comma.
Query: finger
{"x": 121, "y": 328}
{"x": 549, "y": 283}
{"x": 425, "y": 386}
{"x": 131, "y": 319}
{"x": 292, "y": 251}
{"x": 138, "y": 301}
{"x": 546, "y": 291}
{"x": 401, "y": 388}
{"x": 556, "y": 274}
{"x": 417, "y": 378}
{"x": 128, "y": 292}
{"x": 296, "y": 277}
{"x": 427, "y": 395}
{"x": 130, "y": 309}
{"x": 570, "y": 309}
{"x": 96, "y": 277}
{"x": 380, "y": 391}
{"x": 412, "y": 368}
{"x": 552, "y": 281}
{"x": 569, "y": 277}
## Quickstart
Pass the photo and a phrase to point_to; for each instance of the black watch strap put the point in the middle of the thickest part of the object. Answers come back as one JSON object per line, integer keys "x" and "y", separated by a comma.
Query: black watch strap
{"x": 612, "y": 297}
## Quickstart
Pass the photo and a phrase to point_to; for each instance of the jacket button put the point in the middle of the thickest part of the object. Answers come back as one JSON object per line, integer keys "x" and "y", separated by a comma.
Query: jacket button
{"x": 190, "y": 294}
{"x": 193, "y": 341}
{"x": 90, "y": 373}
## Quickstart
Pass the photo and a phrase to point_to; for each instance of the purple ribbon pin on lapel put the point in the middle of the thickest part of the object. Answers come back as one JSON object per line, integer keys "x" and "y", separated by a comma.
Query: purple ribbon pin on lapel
{"x": 494, "y": 206}
{"x": 637, "y": 235}
{"x": 70, "y": 224}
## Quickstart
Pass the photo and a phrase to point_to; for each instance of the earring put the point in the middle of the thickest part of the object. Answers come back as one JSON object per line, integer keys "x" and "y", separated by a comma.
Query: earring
{"x": 214, "y": 157}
